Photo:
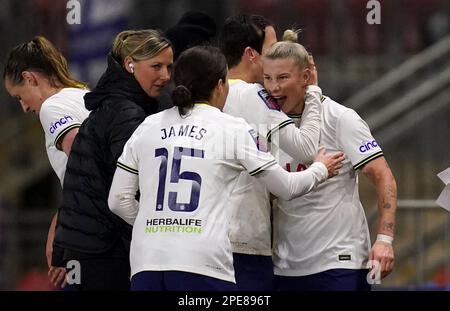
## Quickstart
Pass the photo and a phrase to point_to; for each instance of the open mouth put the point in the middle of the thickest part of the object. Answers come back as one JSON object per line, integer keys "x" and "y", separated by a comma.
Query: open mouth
{"x": 280, "y": 99}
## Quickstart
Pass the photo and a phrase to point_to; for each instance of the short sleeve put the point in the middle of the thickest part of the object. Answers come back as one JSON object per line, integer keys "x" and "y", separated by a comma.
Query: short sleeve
{"x": 248, "y": 154}
{"x": 58, "y": 119}
{"x": 128, "y": 160}
{"x": 356, "y": 141}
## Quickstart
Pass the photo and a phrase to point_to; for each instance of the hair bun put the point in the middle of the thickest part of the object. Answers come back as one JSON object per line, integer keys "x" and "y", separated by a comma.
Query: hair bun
{"x": 181, "y": 96}
{"x": 291, "y": 35}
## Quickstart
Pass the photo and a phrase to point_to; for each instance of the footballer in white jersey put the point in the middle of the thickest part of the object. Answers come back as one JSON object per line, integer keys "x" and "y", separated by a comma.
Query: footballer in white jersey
{"x": 321, "y": 242}
{"x": 244, "y": 40}
{"x": 183, "y": 219}
{"x": 327, "y": 228}
{"x": 251, "y": 228}
{"x": 37, "y": 74}
{"x": 59, "y": 114}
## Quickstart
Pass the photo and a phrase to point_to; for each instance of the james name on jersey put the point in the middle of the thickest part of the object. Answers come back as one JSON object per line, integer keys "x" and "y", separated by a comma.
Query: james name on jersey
{"x": 186, "y": 130}
{"x": 227, "y": 147}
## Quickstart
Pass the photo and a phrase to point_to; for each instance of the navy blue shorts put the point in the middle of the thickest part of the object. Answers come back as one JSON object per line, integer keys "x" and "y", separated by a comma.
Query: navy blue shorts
{"x": 330, "y": 280}
{"x": 177, "y": 281}
{"x": 253, "y": 272}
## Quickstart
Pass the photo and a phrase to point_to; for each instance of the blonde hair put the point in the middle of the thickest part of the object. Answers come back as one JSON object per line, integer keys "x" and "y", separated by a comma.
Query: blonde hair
{"x": 138, "y": 44}
{"x": 41, "y": 56}
{"x": 289, "y": 48}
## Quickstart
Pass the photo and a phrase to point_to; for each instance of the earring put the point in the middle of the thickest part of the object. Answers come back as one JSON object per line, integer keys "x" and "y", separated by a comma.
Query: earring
{"x": 131, "y": 66}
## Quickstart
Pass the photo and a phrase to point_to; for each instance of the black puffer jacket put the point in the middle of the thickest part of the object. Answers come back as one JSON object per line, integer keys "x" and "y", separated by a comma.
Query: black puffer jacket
{"x": 118, "y": 105}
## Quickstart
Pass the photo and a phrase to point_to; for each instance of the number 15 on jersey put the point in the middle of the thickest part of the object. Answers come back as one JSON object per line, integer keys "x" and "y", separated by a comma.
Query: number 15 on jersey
{"x": 175, "y": 176}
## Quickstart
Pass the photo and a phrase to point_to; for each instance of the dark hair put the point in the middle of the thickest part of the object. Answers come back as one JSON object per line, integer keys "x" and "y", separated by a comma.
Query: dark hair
{"x": 242, "y": 31}
{"x": 196, "y": 74}
{"x": 41, "y": 56}
{"x": 193, "y": 28}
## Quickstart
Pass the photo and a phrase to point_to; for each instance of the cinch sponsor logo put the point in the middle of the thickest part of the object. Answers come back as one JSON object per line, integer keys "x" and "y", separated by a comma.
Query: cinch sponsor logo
{"x": 367, "y": 146}
{"x": 63, "y": 120}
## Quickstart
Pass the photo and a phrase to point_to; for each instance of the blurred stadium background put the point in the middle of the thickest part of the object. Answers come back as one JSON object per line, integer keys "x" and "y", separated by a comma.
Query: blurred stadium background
{"x": 395, "y": 74}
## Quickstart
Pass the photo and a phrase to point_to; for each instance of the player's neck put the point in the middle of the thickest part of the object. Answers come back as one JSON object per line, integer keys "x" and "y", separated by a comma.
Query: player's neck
{"x": 49, "y": 90}
{"x": 239, "y": 72}
{"x": 299, "y": 107}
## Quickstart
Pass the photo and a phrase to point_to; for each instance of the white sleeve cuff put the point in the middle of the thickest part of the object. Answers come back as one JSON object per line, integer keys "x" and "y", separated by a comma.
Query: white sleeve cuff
{"x": 291, "y": 185}
{"x": 314, "y": 88}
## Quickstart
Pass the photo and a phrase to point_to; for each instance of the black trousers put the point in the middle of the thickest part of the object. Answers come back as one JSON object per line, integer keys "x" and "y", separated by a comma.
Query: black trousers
{"x": 108, "y": 271}
{"x": 100, "y": 274}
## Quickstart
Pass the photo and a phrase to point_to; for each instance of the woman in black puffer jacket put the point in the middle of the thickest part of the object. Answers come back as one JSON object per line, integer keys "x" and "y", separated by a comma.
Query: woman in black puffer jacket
{"x": 87, "y": 231}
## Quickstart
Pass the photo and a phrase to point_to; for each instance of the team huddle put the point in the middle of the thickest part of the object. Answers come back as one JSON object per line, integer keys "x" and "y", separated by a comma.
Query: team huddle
{"x": 244, "y": 178}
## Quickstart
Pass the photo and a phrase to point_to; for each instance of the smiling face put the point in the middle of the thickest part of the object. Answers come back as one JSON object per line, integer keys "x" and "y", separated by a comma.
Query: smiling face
{"x": 286, "y": 83}
{"x": 152, "y": 74}
{"x": 27, "y": 93}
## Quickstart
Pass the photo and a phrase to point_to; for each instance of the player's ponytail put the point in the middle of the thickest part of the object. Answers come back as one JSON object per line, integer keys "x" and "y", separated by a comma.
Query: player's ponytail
{"x": 197, "y": 72}
{"x": 41, "y": 56}
{"x": 181, "y": 97}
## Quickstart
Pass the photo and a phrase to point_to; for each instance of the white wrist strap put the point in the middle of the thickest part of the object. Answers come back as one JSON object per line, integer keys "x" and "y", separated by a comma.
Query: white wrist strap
{"x": 385, "y": 238}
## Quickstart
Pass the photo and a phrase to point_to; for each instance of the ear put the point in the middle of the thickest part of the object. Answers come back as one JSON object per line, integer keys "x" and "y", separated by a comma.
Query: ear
{"x": 30, "y": 77}
{"x": 220, "y": 86}
{"x": 128, "y": 64}
{"x": 306, "y": 76}
{"x": 250, "y": 54}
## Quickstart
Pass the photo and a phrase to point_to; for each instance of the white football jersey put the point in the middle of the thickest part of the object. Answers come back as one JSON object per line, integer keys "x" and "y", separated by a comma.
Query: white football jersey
{"x": 187, "y": 172}
{"x": 250, "y": 227}
{"x": 327, "y": 228}
{"x": 58, "y": 115}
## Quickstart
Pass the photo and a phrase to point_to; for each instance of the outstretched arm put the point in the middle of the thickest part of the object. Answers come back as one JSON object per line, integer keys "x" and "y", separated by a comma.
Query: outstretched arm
{"x": 291, "y": 185}
{"x": 380, "y": 174}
